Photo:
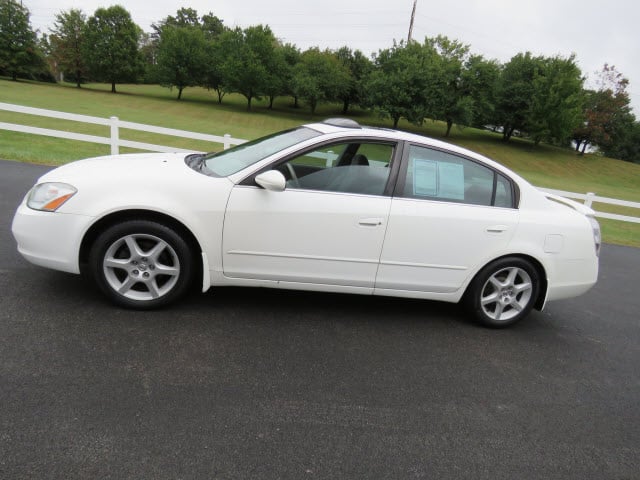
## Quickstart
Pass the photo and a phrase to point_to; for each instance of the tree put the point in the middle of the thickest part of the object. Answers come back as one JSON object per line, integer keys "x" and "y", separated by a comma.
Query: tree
{"x": 111, "y": 48}
{"x": 213, "y": 74}
{"x": 390, "y": 87}
{"x": 19, "y": 55}
{"x": 212, "y": 26}
{"x": 556, "y": 105}
{"x": 148, "y": 48}
{"x": 279, "y": 73}
{"x": 627, "y": 146}
{"x": 514, "y": 93}
{"x": 454, "y": 102}
{"x": 358, "y": 66}
{"x": 606, "y": 115}
{"x": 479, "y": 77}
{"x": 319, "y": 76}
{"x": 291, "y": 55}
{"x": 67, "y": 43}
{"x": 185, "y": 17}
{"x": 181, "y": 57}
{"x": 404, "y": 82}
{"x": 189, "y": 58}
{"x": 245, "y": 68}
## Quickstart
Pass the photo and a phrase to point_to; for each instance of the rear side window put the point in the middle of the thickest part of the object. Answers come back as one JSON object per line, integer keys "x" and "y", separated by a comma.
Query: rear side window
{"x": 436, "y": 175}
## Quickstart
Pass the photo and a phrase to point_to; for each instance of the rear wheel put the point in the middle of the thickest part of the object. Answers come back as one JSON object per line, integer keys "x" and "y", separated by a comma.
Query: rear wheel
{"x": 503, "y": 292}
{"x": 141, "y": 264}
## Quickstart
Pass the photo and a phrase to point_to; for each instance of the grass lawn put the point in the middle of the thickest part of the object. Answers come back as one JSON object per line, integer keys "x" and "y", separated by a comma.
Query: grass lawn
{"x": 198, "y": 111}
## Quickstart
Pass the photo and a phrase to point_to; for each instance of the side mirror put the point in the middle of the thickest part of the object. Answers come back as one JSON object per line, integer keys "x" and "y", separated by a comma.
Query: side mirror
{"x": 272, "y": 180}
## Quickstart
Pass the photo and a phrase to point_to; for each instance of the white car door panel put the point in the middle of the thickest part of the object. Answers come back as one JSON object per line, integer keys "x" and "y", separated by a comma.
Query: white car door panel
{"x": 304, "y": 236}
{"x": 449, "y": 216}
{"x": 433, "y": 246}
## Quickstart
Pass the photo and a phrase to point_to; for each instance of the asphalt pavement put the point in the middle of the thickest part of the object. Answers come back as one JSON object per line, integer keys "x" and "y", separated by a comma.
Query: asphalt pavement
{"x": 266, "y": 384}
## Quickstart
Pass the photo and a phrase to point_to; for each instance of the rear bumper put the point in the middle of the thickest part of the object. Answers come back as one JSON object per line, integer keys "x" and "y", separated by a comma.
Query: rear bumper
{"x": 572, "y": 278}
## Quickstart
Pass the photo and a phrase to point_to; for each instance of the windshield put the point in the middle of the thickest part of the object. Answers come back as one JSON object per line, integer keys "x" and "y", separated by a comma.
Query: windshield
{"x": 228, "y": 162}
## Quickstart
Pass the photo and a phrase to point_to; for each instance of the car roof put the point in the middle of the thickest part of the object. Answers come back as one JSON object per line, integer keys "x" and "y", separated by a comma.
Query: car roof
{"x": 333, "y": 126}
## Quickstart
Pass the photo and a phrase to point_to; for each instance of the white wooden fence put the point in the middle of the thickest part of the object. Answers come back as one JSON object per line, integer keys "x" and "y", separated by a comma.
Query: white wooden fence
{"x": 115, "y": 124}
{"x": 590, "y": 198}
{"x": 114, "y": 140}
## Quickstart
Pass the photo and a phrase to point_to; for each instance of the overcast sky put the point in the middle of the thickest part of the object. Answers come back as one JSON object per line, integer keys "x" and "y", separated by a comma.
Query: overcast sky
{"x": 598, "y": 32}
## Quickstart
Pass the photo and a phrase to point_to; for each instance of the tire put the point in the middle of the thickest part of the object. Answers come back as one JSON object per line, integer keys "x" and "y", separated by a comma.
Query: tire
{"x": 503, "y": 292}
{"x": 141, "y": 264}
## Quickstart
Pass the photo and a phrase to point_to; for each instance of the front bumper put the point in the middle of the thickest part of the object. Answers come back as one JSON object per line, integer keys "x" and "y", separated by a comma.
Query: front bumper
{"x": 50, "y": 239}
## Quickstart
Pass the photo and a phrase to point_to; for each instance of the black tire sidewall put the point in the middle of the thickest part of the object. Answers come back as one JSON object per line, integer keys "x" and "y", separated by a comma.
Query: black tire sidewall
{"x": 144, "y": 227}
{"x": 473, "y": 295}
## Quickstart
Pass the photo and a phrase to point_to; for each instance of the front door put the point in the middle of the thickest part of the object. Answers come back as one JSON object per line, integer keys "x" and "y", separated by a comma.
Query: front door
{"x": 327, "y": 227}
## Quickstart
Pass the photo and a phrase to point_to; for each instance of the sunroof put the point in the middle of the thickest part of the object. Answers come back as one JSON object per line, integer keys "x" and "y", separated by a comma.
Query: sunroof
{"x": 342, "y": 122}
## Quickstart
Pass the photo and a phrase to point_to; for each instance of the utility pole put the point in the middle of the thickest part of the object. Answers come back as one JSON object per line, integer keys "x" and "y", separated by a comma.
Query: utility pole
{"x": 413, "y": 15}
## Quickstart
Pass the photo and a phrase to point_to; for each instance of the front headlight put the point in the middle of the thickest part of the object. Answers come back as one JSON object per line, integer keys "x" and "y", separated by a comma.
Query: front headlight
{"x": 597, "y": 235}
{"x": 50, "y": 196}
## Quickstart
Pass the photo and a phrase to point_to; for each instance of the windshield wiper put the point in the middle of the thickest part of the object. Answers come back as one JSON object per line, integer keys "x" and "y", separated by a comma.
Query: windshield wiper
{"x": 198, "y": 162}
{"x": 195, "y": 161}
{"x": 193, "y": 158}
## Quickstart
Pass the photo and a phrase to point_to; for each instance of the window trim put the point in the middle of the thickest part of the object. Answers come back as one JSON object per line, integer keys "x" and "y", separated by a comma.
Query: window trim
{"x": 396, "y": 161}
{"x": 400, "y": 183}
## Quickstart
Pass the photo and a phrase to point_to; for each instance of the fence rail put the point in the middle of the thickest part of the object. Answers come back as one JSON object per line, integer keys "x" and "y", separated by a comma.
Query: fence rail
{"x": 226, "y": 140}
{"x": 115, "y": 125}
{"x": 590, "y": 198}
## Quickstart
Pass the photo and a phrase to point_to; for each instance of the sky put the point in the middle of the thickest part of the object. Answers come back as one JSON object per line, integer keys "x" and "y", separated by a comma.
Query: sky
{"x": 596, "y": 32}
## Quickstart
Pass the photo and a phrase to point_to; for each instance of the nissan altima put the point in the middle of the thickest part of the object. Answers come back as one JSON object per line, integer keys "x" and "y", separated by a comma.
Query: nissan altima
{"x": 330, "y": 206}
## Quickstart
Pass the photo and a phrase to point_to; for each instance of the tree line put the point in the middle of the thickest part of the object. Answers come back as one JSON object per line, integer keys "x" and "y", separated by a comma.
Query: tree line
{"x": 542, "y": 98}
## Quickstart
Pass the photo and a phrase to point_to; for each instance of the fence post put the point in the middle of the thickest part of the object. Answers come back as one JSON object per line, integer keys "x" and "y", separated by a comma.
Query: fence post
{"x": 589, "y": 200}
{"x": 115, "y": 136}
{"x": 226, "y": 141}
{"x": 329, "y": 158}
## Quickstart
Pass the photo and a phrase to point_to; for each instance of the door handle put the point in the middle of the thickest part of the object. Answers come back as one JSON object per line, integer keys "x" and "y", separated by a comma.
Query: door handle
{"x": 497, "y": 228}
{"x": 370, "y": 222}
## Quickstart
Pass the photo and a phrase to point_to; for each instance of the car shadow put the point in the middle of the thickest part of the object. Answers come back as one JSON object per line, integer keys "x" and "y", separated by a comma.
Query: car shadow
{"x": 295, "y": 303}
{"x": 77, "y": 292}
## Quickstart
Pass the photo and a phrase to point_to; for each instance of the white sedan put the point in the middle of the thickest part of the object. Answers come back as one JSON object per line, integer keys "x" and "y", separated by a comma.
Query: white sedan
{"x": 329, "y": 206}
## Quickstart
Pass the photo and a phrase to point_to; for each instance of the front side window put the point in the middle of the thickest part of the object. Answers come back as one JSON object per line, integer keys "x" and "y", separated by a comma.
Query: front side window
{"x": 436, "y": 175}
{"x": 354, "y": 167}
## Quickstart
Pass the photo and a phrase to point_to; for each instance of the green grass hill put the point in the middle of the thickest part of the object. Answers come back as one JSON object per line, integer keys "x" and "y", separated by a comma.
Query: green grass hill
{"x": 198, "y": 111}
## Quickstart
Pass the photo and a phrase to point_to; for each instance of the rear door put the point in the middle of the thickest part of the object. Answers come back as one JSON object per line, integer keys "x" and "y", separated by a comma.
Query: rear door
{"x": 449, "y": 214}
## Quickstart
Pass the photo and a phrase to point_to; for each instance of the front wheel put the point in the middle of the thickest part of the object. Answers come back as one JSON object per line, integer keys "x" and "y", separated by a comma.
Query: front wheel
{"x": 503, "y": 292}
{"x": 141, "y": 264}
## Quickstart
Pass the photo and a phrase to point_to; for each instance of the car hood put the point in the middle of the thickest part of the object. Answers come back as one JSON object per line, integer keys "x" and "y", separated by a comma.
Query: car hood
{"x": 155, "y": 181}
{"x": 122, "y": 168}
